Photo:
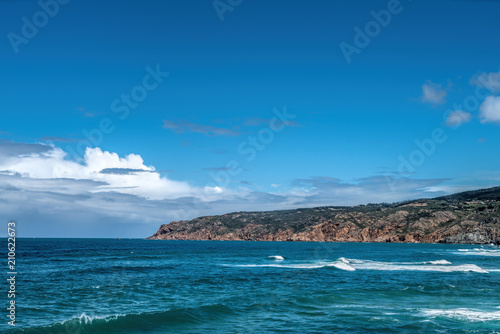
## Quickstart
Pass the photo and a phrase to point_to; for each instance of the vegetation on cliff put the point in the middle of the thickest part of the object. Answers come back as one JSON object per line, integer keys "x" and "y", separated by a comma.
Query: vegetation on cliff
{"x": 469, "y": 217}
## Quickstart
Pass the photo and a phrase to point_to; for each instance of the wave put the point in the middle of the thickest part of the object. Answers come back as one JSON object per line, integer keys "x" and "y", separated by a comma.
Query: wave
{"x": 479, "y": 252}
{"x": 439, "y": 266}
{"x": 290, "y": 266}
{"x": 463, "y": 314}
{"x": 115, "y": 269}
{"x": 136, "y": 322}
{"x": 341, "y": 265}
{"x": 276, "y": 257}
{"x": 439, "y": 262}
{"x": 346, "y": 264}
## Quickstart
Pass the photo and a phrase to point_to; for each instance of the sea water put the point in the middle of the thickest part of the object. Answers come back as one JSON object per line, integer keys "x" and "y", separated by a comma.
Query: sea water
{"x": 155, "y": 286}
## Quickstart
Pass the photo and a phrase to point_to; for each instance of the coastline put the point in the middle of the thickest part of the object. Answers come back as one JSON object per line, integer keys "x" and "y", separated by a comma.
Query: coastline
{"x": 471, "y": 217}
{"x": 331, "y": 241}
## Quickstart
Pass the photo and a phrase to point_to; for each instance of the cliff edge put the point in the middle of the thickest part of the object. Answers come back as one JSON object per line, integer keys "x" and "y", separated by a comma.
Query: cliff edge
{"x": 471, "y": 217}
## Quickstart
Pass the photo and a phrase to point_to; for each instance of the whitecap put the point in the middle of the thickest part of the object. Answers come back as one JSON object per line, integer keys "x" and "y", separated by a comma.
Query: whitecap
{"x": 416, "y": 266}
{"x": 479, "y": 252}
{"x": 357, "y": 264}
{"x": 276, "y": 257}
{"x": 439, "y": 262}
{"x": 463, "y": 314}
{"x": 291, "y": 266}
{"x": 88, "y": 319}
{"x": 341, "y": 265}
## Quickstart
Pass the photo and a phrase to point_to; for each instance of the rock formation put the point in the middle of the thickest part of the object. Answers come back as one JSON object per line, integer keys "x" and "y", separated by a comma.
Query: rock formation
{"x": 469, "y": 218}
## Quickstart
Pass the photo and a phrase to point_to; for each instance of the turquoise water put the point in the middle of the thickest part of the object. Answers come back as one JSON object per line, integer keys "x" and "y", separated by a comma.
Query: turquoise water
{"x": 140, "y": 286}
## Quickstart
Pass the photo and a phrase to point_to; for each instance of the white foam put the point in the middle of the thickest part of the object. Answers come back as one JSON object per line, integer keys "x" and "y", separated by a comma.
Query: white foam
{"x": 436, "y": 262}
{"x": 417, "y": 266}
{"x": 357, "y": 264}
{"x": 292, "y": 266}
{"x": 479, "y": 252}
{"x": 341, "y": 265}
{"x": 316, "y": 265}
{"x": 276, "y": 257}
{"x": 87, "y": 319}
{"x": 440, "y": 262}
{"x": 463, "y": 314}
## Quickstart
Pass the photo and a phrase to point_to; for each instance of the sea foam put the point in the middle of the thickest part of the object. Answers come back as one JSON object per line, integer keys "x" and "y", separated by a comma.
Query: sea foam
{"x": 341, "y": 265}
{"x": 88, "y": 319}
{"x": 438, "y": 266}
{"x": 346, "y": 264}
{"x": 479, "y": 252}
{"x": 463, "y": 314}
{"x": 290, "y": 266}
{"x": 439, "y": 262}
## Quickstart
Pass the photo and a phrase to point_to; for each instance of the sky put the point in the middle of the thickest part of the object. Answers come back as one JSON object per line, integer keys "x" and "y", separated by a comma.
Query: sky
{"x": 118, "y": 116}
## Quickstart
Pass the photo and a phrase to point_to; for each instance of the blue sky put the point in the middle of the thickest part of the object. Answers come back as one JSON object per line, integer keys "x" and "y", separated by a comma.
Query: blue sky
{"x": 429, "y": 73}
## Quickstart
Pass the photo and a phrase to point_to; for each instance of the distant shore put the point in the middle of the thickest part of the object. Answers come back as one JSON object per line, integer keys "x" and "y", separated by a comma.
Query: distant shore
{"x": 471, "y": 217}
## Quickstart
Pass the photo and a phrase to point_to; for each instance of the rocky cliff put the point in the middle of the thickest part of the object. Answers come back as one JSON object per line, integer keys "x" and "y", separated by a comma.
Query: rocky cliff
{"x": 469, "y": 217}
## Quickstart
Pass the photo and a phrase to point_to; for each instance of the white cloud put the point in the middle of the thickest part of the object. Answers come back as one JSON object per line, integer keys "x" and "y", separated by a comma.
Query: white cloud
{"x": 490, "y": 81}
{"x": 111, "y": 196}
{"x": 104, "y": 195}
{"x": 376, "y": 189}
{"x": 433, "y": 93}
{"x": 458, "y": 117}
{"x": 490, "y": 110}
{"x": 52, "y": 165}
{"x": 213, "y": 190}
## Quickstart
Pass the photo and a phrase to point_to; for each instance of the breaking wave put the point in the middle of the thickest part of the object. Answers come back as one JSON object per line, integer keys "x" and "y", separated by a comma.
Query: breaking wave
{"x": 464, "y": 314}
{"x": 346, "y": 264}
{"x": 479, "y": 252}
{"x": 438, "y": 266}
{"x": 136, "y": 322}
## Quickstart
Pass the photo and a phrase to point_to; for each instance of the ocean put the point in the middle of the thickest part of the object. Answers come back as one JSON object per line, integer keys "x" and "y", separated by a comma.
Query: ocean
{"x": 76, "y": 286}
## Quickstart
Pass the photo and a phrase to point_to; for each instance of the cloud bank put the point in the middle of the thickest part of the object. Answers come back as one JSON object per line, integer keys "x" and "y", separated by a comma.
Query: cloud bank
{"x": 106, "y": 195}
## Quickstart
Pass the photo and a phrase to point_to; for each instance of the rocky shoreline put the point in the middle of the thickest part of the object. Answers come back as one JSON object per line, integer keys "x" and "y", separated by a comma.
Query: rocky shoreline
{"x": 465, "y": 218}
